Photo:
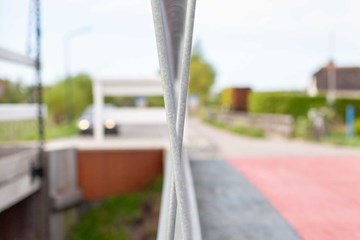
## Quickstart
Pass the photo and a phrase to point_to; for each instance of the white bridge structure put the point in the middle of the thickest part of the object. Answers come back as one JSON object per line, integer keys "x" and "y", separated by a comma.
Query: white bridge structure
{"x": 126, "y": 88}
{"x": 17, "y": 58}
{"x": 16, "y": 182}
{"x": 20, "y": 112}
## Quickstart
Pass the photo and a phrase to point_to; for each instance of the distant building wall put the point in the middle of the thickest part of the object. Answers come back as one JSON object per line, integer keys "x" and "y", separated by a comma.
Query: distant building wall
{"x": 347, "y": 81}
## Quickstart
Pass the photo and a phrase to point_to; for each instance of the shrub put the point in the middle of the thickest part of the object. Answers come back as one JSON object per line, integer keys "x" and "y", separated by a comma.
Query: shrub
{"x": 302, "y": 127}
{"x": 293, "y": 104}
{"x": 57, "y": 97}
{"x": 225, "y": 98}
{"x": 297, "y": 104}
{"x": 357, "y": 126}
{"x": 342, "y": 103}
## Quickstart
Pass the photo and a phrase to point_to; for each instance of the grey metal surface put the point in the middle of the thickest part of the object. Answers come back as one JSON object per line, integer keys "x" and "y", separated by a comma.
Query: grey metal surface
{"x": 173, "y": 21}
{"x": 165, "y": 204}
{"x": 231, "y": 208}
{"x": 182, "y": 97}
{"x": 174, "y": 14}
{"x": 167, "y": 75}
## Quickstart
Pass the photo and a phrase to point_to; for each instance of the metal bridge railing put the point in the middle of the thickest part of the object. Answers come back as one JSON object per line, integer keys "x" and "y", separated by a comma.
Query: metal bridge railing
{"x": 165, "y": 218}
{"x": 174, "y": 21}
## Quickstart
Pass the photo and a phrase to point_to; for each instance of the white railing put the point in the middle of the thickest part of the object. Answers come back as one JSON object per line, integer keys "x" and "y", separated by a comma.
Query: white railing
{"x": 20, "y": 111}
{"x": 174, "y": 21}
{"x": 13, "y": 57}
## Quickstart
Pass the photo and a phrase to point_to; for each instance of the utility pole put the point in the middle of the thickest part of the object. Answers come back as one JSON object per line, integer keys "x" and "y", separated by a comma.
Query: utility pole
{"x": 331, "y": 72}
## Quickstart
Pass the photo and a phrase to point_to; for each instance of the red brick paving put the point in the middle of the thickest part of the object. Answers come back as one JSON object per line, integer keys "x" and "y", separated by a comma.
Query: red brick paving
{"x": 319, "y": 196}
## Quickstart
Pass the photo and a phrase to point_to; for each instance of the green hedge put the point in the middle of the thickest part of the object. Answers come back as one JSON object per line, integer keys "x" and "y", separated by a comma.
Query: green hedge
{"x": 296, "y": 104}
{"x": 284, "y": 103}
{"x": 225, "y": 98}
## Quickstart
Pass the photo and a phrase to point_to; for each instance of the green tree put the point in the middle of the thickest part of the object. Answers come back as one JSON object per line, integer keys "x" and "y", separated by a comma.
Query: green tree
{"x": 155, "y": 101}
{"x": 202, "y": 77}
{"x": 12, "y": 92}
{"x": 80, "y": 97}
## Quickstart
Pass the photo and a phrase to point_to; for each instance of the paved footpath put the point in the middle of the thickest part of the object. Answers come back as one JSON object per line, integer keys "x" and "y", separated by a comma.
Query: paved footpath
{"x": 313, "y": 187}
{"x": 231, "y": 208}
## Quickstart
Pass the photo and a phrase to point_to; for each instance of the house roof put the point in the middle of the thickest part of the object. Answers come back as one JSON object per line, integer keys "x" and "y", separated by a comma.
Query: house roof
{"x": 347, "y": 78}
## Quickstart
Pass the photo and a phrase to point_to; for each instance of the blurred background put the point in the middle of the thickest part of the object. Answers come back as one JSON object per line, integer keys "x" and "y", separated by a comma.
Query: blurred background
{"x": 268, "y": 47}
{"x": 278, "y": 73}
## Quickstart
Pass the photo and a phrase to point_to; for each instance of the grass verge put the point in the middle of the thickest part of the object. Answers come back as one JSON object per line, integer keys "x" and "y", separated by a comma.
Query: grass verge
{"x": 129, "y": 216}
{"x": 28, "y": 130}
{"x": 238, "y": 129}
{"x": 339, "y": 138}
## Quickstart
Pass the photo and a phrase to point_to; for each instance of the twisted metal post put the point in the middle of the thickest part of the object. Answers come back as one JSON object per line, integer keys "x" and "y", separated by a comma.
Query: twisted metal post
{"x": 174, "y": 20}
{"x": 184, "y": 70}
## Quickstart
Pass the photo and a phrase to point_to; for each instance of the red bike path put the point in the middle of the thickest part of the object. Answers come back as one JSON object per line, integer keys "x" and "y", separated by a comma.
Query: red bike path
{"x": 318, "y": 196}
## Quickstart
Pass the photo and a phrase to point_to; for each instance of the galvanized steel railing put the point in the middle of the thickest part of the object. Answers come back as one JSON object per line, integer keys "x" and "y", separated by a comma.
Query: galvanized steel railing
{"x": 174, "y": 21}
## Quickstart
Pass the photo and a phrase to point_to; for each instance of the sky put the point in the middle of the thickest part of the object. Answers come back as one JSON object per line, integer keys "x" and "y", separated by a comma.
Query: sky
{"x": 263, "y": 44}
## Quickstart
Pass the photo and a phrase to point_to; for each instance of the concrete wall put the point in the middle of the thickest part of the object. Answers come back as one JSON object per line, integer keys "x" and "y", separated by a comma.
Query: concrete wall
{"x": 21, "y": 209}
{"x": 42, "y": 212}
{"x": 64, "y": 192}
{"x": 16, "y": 182}
{"x": 75, "y": 176}
{"x": 70, "y": 177}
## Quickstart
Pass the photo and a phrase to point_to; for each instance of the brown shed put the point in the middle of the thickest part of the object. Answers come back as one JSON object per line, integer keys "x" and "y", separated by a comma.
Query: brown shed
{"x": 239, "y": 99}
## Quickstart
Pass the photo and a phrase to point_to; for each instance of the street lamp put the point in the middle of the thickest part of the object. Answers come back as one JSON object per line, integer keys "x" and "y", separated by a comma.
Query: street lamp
{"x": 67, "y": 50}
{"x": 331, "y": 71}
{"x": 331, "y": 76}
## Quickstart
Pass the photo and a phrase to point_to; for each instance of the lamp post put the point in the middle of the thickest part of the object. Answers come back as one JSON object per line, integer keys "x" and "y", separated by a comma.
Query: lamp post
{"x": 67, "y": 65}
{"x": 331, "y": 71}
{"x": 331, "y": 75}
